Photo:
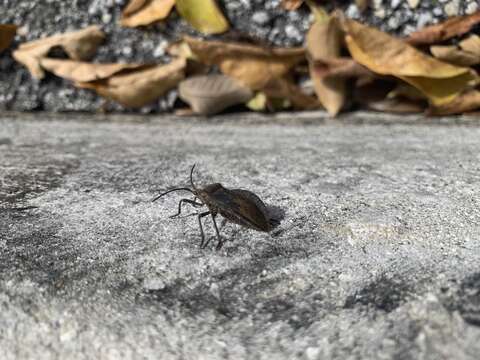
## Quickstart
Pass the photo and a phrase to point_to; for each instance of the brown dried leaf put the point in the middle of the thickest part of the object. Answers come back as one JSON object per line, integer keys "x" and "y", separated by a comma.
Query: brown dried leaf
{"x": 7, "y": 33}
{"x": 204, "y": 15}
{"x": 280, "y": 88}
{"x": 471, "y": 44}
{"x": 145, "y": 12}
{"x": 83, "y": 71}
{"x": 454, "y": 26}
{"x": 79, "y": 45}
{"x": 291, "y": 4}
{"x": 466, "y": 102}
{"x": 453, "y": 55}
{"x": 397, "y": 105}
{"x": 253, "y": 66}
{"x": 138, "y": 87}
{"x": 341, "y": 67}
{"x": 386, "y": 55}
{"x": 210, "y": 94}
{"x": 324, "y": 43}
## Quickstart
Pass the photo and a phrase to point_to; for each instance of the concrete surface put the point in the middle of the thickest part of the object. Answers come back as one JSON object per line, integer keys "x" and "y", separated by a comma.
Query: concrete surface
{"x": 377, "y": 255}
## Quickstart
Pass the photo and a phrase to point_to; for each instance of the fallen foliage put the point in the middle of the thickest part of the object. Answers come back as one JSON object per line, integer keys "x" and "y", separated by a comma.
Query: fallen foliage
{"x": 145, "y": 12}
{"x": 140, "y": 86}
{"x": 386, "y": 55}
{"x": 254, "y": 66}
{"x": 78, "y": 45}
{"x": 435, "y": 34}
{"x": 210, "y": 94}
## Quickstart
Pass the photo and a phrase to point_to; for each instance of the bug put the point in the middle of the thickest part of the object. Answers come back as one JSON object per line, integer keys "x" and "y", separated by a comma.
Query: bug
{"x": 239, "y": 206}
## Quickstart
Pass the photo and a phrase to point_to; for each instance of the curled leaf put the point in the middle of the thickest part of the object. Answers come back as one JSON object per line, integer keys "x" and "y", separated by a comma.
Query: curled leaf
{"x": 283, "y": 89}
{"x": 253, "y": 66}
{"x": 203, "y": 15}
{"x": 386, "y": 55}
{"x": 7, "y": 33}
{"x": 324, "y": 42}
{"x": 453, "y": 55}
{"x": 145, "y": 12}
{"x": 83, "y": 71}
{"x": 397, "y": 106}
{"x": 471, "y": 44}
{"x": 291, "y": 4}
{"x": 454, "y": 26}
{"x": 210, "y": 94}
{"x": 341, "y": 67}
{"x": 140, "y": 86}
{"x": 466, "y": 102}
{"x": 79, "y": 45}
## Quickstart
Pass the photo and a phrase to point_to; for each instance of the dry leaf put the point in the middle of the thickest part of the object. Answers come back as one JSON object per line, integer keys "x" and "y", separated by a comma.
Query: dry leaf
{"x": 324, "y": 43}
{"x": 386, "y": 55}
{"x": 471, "y": 44}
{"x": 253, "y": 66}
{"x": 203, "y": 15}
{"x": 362, "y": 5}
{"x": 7, "y": 33}
{"x": 454, "y": 26}
{"x": 82, "y": 71}
{"x": 145, "y": 12}
{"x": 453, "y": 55}
{"x": 397, "y": 106}
{"x": 466, "y": 102}
{"x": 210, "y": 94}
{"x": 79, "y": 45}
{"x": 291, "y": 4}
{"x": 138, "y": 87}
{"x": 377, "y": 95}
{"x": 280, "y": 88}
{"x": 340, "y": 68}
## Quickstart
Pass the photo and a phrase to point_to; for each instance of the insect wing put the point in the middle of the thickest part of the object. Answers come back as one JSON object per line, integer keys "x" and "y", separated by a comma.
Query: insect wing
{"x": 242, "y": 207}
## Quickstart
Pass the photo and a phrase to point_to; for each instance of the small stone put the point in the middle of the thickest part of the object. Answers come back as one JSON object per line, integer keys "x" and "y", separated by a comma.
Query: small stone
{"x": 292, "y": 32}
{"x": 127, "y": 50}
{"x": 395, "y": 3}
{"x": 380, "y": 13}
{"x": 424, "y": 19}
{"x": 413, "y": 3}
{"x": 261, "y": 17}
{"x": 452, "y": 8}
{"x": 161, "y": 48}
{"x": 106, "y": 18}
{"x": 471, "y": 8}
{"x": 437, "y": 11}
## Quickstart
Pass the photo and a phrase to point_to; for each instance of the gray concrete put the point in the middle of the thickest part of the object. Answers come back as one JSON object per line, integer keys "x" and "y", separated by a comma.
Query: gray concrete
{"x": 377, "y": 255}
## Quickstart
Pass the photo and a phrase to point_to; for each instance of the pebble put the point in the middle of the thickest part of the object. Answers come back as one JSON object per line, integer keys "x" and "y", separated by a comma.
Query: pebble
{"x": 452, "y": 8}
{"x": 261, "y": 18}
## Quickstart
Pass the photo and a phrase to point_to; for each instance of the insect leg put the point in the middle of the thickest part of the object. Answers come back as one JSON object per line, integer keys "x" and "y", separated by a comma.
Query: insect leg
{"x": 201, "y": 227}
{"x": 180, "y": 206}
{"x": 220, "y": 242}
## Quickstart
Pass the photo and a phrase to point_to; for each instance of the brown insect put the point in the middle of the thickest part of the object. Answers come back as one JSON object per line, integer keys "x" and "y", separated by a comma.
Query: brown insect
{"x": 239, "y": 206}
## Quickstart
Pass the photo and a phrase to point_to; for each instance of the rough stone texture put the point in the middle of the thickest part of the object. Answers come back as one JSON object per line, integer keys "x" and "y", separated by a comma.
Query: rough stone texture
{"x": 262, "y": 19}
{"x": 376, "y": 257}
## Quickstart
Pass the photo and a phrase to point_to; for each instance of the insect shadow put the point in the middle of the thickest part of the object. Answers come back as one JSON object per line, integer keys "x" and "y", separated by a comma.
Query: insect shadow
{"x": 239, "y": 206}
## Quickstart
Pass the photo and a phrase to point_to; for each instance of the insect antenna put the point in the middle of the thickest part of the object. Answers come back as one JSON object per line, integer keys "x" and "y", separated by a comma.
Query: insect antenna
{"x": 171, "y": 190}
{"x": 191, "y": 177}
